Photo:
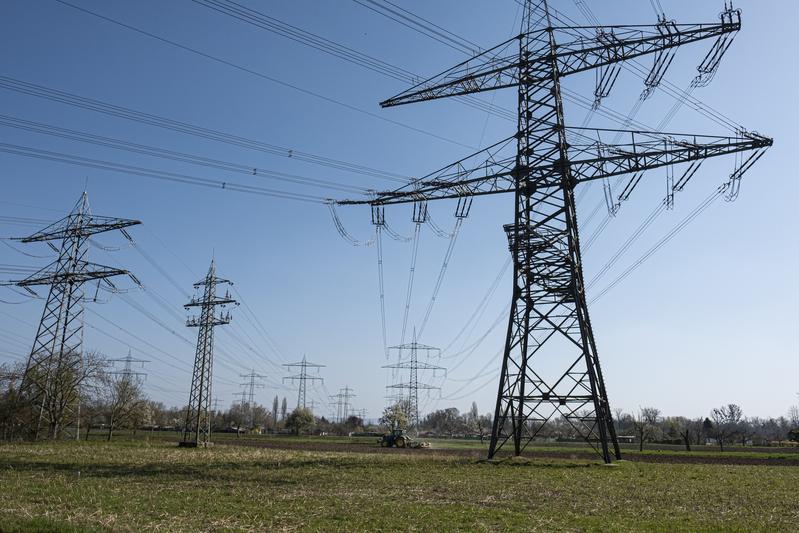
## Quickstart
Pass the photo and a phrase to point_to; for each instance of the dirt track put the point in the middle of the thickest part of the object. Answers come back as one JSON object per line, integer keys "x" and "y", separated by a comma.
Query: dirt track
{"x": 665, "y": 457}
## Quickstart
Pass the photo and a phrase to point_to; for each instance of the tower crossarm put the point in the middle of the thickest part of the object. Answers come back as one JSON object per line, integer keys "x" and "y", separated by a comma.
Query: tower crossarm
{"x": 614, "y": 44}
{"x": 415, "y": 364}
{"x": 645, "y": 151}
{"x": 69, "y": 227}
{"x": 589, "y": 159}
{"x": 420, "y": 386}
{"x": 85, "y": 272}
{"x": 500, "y": 67}
{"x": 200, "y": 302}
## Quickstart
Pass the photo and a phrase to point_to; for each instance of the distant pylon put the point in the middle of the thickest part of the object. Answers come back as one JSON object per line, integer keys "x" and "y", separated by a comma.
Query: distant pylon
{"x": 197, "y": 429}
{"x": 413, "y": 365}
{"x": 50, "y": 384}
{"x": 250, "y": 386}
{"x": 342, "y": 403}
{"x": 302, "y": 378}
{"x": 127, "y": 372}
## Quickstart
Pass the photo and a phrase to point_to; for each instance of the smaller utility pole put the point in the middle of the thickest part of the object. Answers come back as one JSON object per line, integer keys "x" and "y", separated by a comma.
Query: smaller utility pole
{"x": 302, "y": 377}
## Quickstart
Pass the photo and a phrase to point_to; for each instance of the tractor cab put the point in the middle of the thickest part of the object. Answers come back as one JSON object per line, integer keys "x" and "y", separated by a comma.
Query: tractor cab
{"x": 397, "y": 438}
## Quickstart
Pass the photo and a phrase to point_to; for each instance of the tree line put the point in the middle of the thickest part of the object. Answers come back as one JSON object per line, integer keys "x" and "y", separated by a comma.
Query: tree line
{"x": 90, "y": 398}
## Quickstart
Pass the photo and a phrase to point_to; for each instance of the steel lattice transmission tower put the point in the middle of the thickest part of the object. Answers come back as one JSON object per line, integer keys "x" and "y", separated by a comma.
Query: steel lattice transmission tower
{"x": 302, "y": 378}
{"x": 127, "y": 373}
{"x": 49, "y": 391}
{"x": 197, "y": 429}
{"x": 541, "y": 165}
{"x": 413, "y": 385}
{"x": 342, "y": 403}
{"x": 250, "y": 386}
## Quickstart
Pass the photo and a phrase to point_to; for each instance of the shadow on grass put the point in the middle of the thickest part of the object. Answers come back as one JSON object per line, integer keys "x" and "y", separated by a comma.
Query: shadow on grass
{"x": 523, "y": 462}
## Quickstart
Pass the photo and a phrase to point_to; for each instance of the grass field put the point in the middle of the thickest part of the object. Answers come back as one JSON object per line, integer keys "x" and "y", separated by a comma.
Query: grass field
{"x": 151, "y": 484}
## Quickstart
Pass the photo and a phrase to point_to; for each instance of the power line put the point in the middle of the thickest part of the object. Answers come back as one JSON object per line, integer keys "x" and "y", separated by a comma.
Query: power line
{"x": 266, "y": 77}
{"x": 322, "y": 44}
{"x": 41, "y": 91}
{"x": 174, "y": 177}
{"x": 117, "y": 144}
{"x": 420, "y": 25}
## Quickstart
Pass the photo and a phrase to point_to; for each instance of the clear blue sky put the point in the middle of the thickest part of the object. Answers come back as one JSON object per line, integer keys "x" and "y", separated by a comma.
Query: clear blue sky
{"x": 707, "y": 320}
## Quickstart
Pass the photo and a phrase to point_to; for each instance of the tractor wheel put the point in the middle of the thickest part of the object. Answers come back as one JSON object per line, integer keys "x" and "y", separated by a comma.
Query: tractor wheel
{"x": 383, "y": 443}
{"x": 400, "y": 442}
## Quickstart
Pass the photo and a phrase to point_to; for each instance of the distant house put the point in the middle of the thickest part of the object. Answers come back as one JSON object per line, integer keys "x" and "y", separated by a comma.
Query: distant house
{"x": 626, "y": 439}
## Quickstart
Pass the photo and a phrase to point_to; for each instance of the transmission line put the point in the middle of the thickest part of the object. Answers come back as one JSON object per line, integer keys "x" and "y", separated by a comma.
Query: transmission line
{"x": 40, "y": 91}
{"x": 420, "y": 25}
{"x": 268, "y": 78}
{"x": 298, "y": 35}
{"x": 117, "y": 144}
{"x": 161, "y": 175}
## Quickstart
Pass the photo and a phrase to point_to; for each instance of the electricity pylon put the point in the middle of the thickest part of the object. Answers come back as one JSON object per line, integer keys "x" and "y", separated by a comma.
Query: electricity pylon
{"x": 197, "y": 430}
{"x": 549, "y": 321}
{"x": 127, "y": 373}
{"x": 342, "y": 403}
{"x": 250, "y": 386}
{"x": 53, "y": 372}
{"x": 413, "y": 365}
{"x": 302, "y": 378}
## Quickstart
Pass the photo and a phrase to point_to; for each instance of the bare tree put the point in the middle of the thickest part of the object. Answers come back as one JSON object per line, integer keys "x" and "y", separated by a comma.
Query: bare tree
{"x": 68, "y": 382}
{"x": 10, "y": 376}
{"x": 726, "y": 421}
{"x": 793, "y": 415}
{"x": 689, "y": 430}
{"x": 645, "y": 424}
{"x": 124, "y": 401}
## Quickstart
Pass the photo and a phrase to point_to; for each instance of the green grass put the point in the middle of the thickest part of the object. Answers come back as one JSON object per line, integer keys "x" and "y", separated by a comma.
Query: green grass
{"x": 136, "y": 485}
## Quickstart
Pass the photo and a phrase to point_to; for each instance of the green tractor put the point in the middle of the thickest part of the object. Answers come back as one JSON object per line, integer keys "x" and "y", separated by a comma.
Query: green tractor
{"x": 398, "y": 438}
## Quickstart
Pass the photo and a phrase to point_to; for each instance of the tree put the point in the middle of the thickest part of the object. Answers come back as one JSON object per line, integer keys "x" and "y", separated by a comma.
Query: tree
{"x": 726, "y": 421}
{"x": 473, "y": 413}
{"x": 10, "y": 376}
{"x": 59, "y": 391}
{"x": 353, "y": 423}
{"x": 476, "y": 423}
{"x": 124, "y": 401}
{"x": 793, "y": 415}
{"x": 395, "y": 416}
{"x": 645, "y": 424}
{"x": 483, "y": 426}
{"x": 689, "y": 431}
{"x": 624, "y": 422}
{"x": 284, "y": 408}
{"x": 274, "y": 412}
{"x": 300, "y": 420}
